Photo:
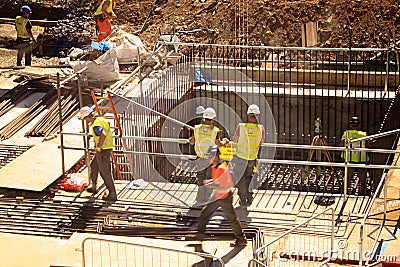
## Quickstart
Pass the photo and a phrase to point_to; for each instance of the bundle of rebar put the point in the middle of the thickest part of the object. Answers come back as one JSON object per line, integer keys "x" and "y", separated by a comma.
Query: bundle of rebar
{"x": 49, "y": 123}
{"x": 5, "y": 106}
{"x": 18, "y": 123}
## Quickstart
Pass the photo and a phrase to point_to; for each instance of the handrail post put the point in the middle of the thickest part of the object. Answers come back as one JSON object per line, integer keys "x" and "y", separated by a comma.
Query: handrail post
{"x": 58, "y": 87}
{"x": 346, "y": 167}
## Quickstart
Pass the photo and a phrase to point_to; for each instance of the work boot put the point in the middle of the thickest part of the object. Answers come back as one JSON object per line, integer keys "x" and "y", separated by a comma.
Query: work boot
{"x": 250, "y": 199}
{"x": 110, "y": 198}
{"x": 242, "y": 202}
{"x": 238, "y": 243}
{"x": 91, "y": 189}
{"x": 196, "y": 237}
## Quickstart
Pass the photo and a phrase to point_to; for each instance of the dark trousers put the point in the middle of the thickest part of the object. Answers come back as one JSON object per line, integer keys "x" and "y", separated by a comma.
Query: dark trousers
{"x": 243, "y": 172}
{"x": 362, "y": 178}
{"x": 102, "y": 163}
{"x": 227, "y": 208}
{"x": 24, "y": 48}
{"x": 203, "y": 169}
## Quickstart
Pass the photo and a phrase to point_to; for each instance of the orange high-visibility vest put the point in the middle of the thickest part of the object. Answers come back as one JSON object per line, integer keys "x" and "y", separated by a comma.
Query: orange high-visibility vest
{"x": 222, "y": 179}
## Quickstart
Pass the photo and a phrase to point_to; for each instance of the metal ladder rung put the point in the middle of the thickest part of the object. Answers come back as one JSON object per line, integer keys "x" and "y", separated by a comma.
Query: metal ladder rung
{"x": 123, "y": 164}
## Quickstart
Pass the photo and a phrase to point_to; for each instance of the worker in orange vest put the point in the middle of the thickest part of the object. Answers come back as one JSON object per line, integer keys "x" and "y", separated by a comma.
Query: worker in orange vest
{"x": 103, "y": 16}
{"x": 221, "y": 182}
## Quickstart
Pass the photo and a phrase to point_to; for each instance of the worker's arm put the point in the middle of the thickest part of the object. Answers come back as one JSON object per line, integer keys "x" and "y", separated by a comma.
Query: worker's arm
{"x": 236, "y": 136}
{"x": 101, "y": 139}
{"x": 99, "y": 131}
{"x": 29, "y": 31}
{"x": 218, "y": 139}
{"x": 191, "y": 140}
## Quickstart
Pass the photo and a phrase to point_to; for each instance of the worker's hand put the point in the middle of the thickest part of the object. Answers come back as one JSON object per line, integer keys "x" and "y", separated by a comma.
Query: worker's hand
{"x": 207, "y": 181}
{"x": 98, "y": 149}
{"x": 224, "y": 141}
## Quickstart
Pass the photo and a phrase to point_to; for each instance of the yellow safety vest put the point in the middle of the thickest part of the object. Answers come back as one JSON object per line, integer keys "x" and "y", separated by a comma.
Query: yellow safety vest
{"x": 103, "y": 123}
{"x": 355, "y": 156}
{"x": 109, "y": 9}
{"x": 20, "y": 25}
{"x": 248, "y": 144}
{"x": 204, "y": 137}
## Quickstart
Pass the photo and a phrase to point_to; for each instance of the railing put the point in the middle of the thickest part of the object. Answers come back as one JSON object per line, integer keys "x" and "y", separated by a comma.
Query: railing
{"x": 367, "y": 258}
{"x": 310, "y": 242}
{"x": 298, "y": 84}
{"x": 99, "y": 252}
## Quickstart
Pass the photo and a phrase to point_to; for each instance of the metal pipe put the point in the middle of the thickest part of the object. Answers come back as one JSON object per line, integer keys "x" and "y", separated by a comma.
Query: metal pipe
{"x": 381, "y": 183}
{"x": 127, "y": 79}
{"x": 274, "y": 47}
{"x": 156, "y": 112}
{"x": 58, "y": 87}
{"x": 70, "y": 77}
{"x": 374, "y": 136}
{"x": 327, "y": 164}
{"x": 185, "y": 141}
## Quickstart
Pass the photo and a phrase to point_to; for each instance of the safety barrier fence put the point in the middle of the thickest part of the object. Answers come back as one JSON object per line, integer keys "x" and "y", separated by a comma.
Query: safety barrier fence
{"x": 311, "y": 241}
{"x": 101, "y": 252}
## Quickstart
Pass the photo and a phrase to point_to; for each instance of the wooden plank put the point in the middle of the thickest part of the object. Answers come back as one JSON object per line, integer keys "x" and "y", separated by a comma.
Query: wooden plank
{"x": 37, "y": 168}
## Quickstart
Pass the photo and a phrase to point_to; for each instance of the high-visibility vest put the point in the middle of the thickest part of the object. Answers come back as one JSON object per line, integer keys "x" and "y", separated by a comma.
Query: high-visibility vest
{"x": 222, "y": 180}
{"x": 204, "y": 137}
{"x": 355, "y": 156}
{"x": 103, "y": 123}
{"x": 20, "y": 25}
{"x": 109, "y": 9}
{"x": 248, "y": 144}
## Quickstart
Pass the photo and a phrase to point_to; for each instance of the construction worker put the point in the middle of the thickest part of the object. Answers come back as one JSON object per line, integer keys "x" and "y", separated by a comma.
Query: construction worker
{"x": 204, "y": 135}
{"x": 103, "y": 16}
{"x": 248, "y": 138}
{"x": 24, "y": 36}
{"x": 101, "y": 162}
{"x": 221, "y": 182}
{"x": 356, "y": 157}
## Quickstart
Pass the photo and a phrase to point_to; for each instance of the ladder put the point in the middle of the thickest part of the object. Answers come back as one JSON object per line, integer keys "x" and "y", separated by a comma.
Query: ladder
{"x": 109, "y": 112}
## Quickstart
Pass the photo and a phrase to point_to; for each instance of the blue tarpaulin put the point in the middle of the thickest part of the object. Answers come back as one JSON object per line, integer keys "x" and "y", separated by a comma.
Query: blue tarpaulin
{"x": 201, "y": 76}
{"x": 102, "y": 46}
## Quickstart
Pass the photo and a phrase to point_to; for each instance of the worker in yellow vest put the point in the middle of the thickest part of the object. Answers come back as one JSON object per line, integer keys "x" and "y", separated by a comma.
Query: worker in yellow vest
{"x": 101, "y": 162}
{"x": 205, "y": 135}
{"x": 24, "y": 36}
{"x": 356, "y": 157}
{"x": 248, "y": 138}
{"x": 103, "y": 16}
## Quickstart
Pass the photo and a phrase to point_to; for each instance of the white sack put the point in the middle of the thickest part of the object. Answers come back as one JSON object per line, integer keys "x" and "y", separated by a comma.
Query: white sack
{"x": 104, "y": 67}
{"x": 128, "y": 46}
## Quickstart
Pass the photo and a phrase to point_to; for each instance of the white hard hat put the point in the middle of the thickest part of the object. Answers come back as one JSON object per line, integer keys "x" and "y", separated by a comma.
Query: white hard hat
{"x": 253, "y": 109}
{"x": 200, "y": 110}
{"x": 84, "y": 112}
{"x": 209, "y": 113}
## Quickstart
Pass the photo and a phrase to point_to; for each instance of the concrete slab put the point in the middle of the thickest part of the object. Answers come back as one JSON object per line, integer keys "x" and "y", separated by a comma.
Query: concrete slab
{"x": 37, "y": 168}
{"x": 27, "y": 251}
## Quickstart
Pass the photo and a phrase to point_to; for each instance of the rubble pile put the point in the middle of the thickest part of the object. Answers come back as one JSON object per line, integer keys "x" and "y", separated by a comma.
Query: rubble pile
{"x": 341, "y": 23}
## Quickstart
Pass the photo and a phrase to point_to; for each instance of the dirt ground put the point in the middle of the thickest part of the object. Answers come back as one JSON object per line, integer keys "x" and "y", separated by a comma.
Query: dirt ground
{"x": 341, "y": 23}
